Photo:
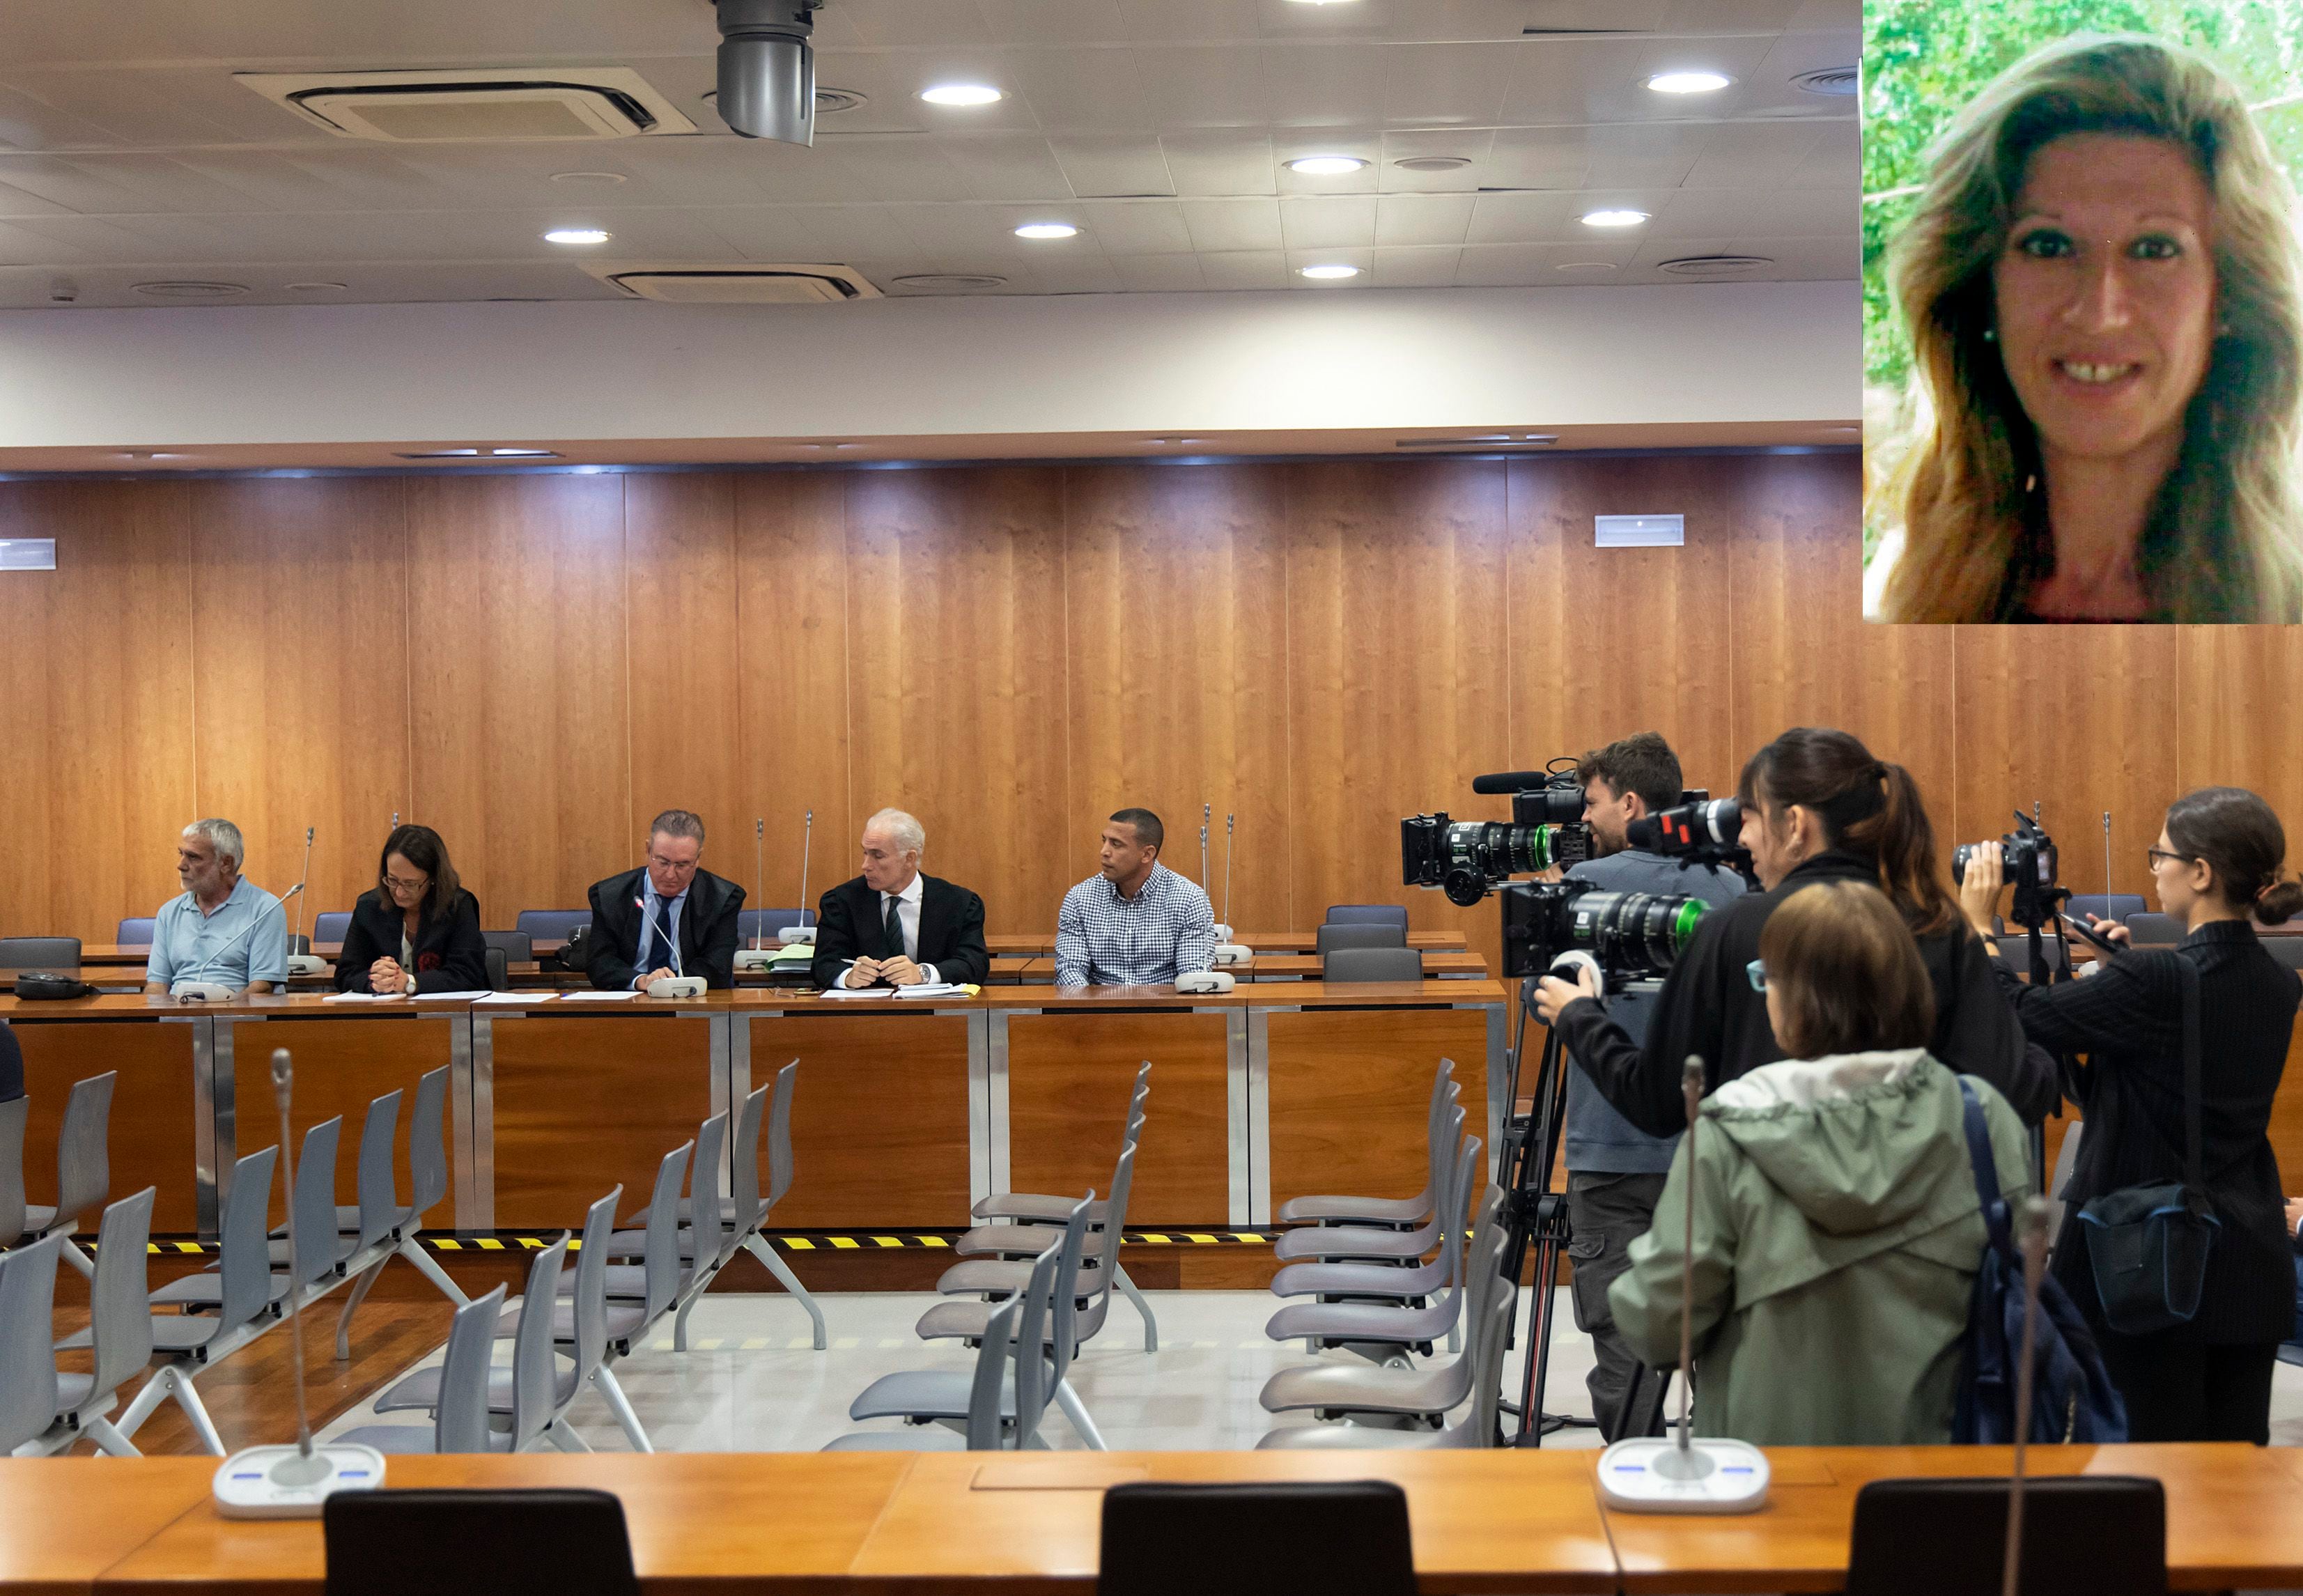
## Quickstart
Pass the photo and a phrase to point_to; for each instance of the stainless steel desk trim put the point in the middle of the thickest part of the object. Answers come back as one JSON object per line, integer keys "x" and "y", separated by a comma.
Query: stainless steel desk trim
{"x": 223, "y": 1112}
{"x": 1245, "y": 1101}
{"x": 1259, "y": 1108}
{"x": 994, "y": 1171}
{"x": 206, "y": 1156}
{"x": 475, "y": 1109}
{"x": 723, "y": 1098}
{"x": 1498, "y": 1110}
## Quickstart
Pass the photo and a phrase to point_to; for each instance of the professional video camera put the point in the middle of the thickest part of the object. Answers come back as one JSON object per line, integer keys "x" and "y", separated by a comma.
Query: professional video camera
{"x": 1631, "y": 935}
{"x": 1469, "y": 858}
{"x": 2028, "y": 864}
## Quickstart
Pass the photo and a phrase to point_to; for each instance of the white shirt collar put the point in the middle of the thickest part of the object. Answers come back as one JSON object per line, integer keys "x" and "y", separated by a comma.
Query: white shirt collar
{"x": 910, "y": 894}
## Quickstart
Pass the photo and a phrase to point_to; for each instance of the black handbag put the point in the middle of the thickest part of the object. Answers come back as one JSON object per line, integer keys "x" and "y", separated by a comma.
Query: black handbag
{"x": 2147, "y": 1245}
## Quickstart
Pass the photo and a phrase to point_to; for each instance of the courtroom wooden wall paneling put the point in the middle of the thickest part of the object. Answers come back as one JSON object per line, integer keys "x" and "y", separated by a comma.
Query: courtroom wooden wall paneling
{"x": 97, "y": 714}
{"x": 1176, "y": 592}
{"x": 516, "y": 690}
{"x": 1397, "y": 672}
{"x": 682, "y": 623}
{"x": 299, "y": 673}
{"x": 956, "y": 672}
{"x": 2240, "y": 686}
{"x": 792, "y": 680}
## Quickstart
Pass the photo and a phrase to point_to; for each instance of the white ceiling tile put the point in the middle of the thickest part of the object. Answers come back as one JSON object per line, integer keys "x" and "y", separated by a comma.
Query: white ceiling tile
{"x": 74, "y": 240}
{"x": 1203, "y": 87}
{"x": 1153, "y": 21}
{"x": 1696, "y": 212}
{"x": 1080, "y": 90}
{"x": 1323, "y": 85}
{"x": 29, "y": 122}
{"x": 1806, "y": 213}
{"x": 1007, "y": 166}
{"x": 1587, "y": 81}
{"x": 1246, "y": 268}
{"x": 1158, "y": 274}
{"x": 1051, "y": 22}
{"x": 1475, "y": 145}
{"x": 1444, "y": 85}
{"x": 1324, "y": 224}
{"x": 1099, "y": 165}
{"x": 1771, "y": 90}
{"x": 1220, "y": 164}
{"x": 813, "y": 232}
{"x": 897, "y": 166}
{"x": 1415, "y": 268}
{"x": 1834, "y": 161}
{"x": 1806, "y": 259}
{"x": 1408, "y": 219}
{"x": 22, "y": 202}
{"x": 1138, "y": 226}
{"x": 1232, "y": 224}
{"x": 1753, "y": 154}
{"x": 915, "y": 23}
{"x": 1080, "y": 274}
{"x": 1512, "y": 265}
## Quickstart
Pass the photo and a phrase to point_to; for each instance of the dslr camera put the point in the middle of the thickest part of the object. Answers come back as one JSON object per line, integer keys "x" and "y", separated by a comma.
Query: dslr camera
{"x": 2028, "y": 864}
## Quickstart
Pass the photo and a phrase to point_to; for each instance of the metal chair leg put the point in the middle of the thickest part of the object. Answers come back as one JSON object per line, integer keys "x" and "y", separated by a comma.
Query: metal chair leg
{"x": 1077, "y": 1412}
{"x": 170, "y": 1382}
{"x": 358, "y": 1294}
{"x": 563, "y": 1436}
{"x": 758, "y": 1247}
{"x": 1151, "y": 1325}
{"x": 612, "y": 1392}
{"x": 429, "y": 1268}
{"x": 79, "y": 1259}
{"x": 109, "y": 1440}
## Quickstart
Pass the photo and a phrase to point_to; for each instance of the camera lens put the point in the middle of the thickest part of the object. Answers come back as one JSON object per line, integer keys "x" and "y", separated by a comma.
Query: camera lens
{"x": 1635, "y": 930}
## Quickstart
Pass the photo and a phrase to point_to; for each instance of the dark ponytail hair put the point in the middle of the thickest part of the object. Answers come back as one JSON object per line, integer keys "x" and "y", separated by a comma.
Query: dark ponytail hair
{"x": 421, "y": 847}
{"x": 1868, "y": 808}
{"x": 2241, "y": 840}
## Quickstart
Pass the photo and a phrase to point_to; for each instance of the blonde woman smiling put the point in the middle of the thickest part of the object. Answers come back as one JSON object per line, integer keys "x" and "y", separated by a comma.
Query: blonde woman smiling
{"x": 2101, "y": 286}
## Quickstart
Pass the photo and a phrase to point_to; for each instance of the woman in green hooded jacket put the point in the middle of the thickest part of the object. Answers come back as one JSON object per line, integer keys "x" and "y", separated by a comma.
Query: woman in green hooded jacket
{"x": 1838, "y": 1233}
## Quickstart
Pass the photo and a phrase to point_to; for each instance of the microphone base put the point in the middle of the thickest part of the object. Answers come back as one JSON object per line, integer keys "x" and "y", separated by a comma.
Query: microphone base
{"x": 798, "y": 933}
{"x": 755, "y": 958}
{"x": 1204, "y": 981}
{"x": 206, "y": 992}
{"x": 306, "y": 964}
{"x": 678, "y": 986}
{"x": 1648, "y": 1474}
{"x": 1234, "y": 953}
{"x": 278, "y": 1483}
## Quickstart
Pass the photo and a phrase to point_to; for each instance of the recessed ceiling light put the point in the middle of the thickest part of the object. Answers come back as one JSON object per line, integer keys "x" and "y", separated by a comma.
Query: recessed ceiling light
{"x": 315, "y": 287}
{"x": 960, "y": 93}
{"x": 588, "y": 177}
{"x": 1157, "y": 443}
{"x": 1326, "y": 165}
{"x": 577, "y": 235}
{"x": 1047, "y": 229}
{"x": 1319, "y": 1}
{"x": 1190, "y": 439}
{"x": 1614, "y": 218}
{"x": 1688, "y": 82}
{"x": 435, "y": 454}
{"x": 1328, "y": 274}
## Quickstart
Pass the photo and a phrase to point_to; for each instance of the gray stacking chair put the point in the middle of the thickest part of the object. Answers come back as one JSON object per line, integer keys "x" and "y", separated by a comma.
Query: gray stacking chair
{"x": 186, "y": 1343}
{"x": 2154, "y": 931}
{"x": 534, "y": 1392}
{"x": 1046, "y": 1336}
{"x": 1398, "y": 1281}
{"x": 382, "y": 1228}
{"x": 1382, "y": 1331}
{"x": 461, "y": 1424}
{"x": 962, "y": 1319}
{"x": 1332, "y": 937}
{"x": 120, "y": 1329}
{"x": 83, "y": 1167}
{"x": 744, "y": 1212}
{"x": 27, "y": 1370}
{"x": 1404, "y": 1213}
{"x": 1372, "y": 964}
{"x": 551, "y": 924}
{"x": 1368, "y": 913}
{"x": 704, "y": 1257}
{"x": 588, "y": 1318}
{"x": 498, "y": 967}
{"x": 663, "y": 1275}
{"x": 1000, "y": 1346}
{"x": 1414, "y": 1400}
{"x": 519, "y": 947}
{"x": 319, "y": 1251}
{"x": 1030, "y": 1210}
{"x": 1377, "y": 1243}
{"x": 13, "y": 1115}
{"x": 2113, "y": 905}
{"x": 135, "y": 932}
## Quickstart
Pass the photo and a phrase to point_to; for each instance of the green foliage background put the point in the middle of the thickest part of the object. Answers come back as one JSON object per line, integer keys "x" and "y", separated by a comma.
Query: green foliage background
{"x": 1923, "y": 59}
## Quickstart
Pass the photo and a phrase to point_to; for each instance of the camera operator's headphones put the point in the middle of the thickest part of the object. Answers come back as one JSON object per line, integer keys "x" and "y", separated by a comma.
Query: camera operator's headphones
{"x": 43, "y": 985}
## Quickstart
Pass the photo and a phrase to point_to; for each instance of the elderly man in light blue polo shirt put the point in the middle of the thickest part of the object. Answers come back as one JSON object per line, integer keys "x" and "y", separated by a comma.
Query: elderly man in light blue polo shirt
{"x": 224, "y": 929}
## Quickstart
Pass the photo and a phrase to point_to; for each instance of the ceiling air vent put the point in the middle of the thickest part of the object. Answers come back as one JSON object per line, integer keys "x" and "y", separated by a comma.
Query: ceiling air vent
{"x": 489, "y": 104}
{"x": 1839, "y": 80}
{"x": 948, "y": 281}
{"x": 687, "y": 284}
{"x": 1715, "y": 266}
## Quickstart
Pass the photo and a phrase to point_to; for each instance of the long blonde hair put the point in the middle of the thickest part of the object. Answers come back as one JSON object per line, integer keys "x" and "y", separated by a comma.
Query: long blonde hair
{"x": 2222, "y": 539}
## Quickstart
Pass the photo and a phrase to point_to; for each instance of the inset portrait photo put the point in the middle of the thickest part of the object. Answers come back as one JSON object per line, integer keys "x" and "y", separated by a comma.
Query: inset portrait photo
{"x": 2083, "y": 328}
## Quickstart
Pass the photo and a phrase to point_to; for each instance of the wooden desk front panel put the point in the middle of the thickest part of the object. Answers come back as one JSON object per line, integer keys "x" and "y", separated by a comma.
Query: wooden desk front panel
{"x": 880, "y": 1130}
{"x": 1069, "y": 1076}
{"x": 342, "y": 1065}
{"x": 151, "y": 1133}
{"x": 1350, "y": 1089}
{"x": 585, "y": 1102}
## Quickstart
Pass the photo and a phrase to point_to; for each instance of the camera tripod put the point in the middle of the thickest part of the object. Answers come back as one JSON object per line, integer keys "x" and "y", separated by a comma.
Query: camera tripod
{"x": 1535, "y": 1216}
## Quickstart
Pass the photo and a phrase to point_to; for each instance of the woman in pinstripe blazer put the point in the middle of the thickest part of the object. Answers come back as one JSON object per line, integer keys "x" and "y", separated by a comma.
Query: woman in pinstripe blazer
{"x": 2218, "y": 859}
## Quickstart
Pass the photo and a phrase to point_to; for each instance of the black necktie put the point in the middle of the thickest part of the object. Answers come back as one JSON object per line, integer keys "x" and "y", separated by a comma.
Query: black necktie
{"x": 660, "y": 929}
{"x": 895, "y": 930}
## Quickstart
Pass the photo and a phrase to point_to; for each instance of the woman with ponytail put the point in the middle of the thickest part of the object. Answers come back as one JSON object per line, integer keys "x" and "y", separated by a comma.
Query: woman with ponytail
{"x": 2219, "y": 859}
{"x": 1817, "y": 806}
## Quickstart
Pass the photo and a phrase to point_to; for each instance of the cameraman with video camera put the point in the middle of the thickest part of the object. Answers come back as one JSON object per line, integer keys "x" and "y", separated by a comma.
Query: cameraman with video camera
{"x": 1812, "y": 805}
{"x": 1615, "y": 1169}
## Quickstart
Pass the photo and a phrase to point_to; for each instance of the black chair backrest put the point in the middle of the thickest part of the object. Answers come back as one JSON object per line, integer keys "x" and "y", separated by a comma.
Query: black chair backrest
{"x": 766, "y": 922}
{"x": 2085, "y": 1535}
{"x": 2154, "y": 931}
{"x": 57, "y": 955}
{"x": 1372, "y": 964}
{"x": 499, "y": 968}
{"x": 517, "y": 946}
{"x": 2286, "y": 948}
{"x": 1341, "y": 1538}
{"x": 476, "y": 1543}
{"x": 1332, "y": 937}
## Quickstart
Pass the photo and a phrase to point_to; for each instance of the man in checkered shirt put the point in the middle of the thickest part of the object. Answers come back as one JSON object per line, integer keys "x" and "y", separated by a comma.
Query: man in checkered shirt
{"x": 1136, "y": 923}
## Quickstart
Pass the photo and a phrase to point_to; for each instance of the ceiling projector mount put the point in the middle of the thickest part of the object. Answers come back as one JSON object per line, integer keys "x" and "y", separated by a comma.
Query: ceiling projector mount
{"x": 767, "y": 68}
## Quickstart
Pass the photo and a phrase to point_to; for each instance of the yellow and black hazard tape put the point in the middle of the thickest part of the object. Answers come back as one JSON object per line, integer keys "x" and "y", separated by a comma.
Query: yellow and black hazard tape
{"x": 809, "y": 1241}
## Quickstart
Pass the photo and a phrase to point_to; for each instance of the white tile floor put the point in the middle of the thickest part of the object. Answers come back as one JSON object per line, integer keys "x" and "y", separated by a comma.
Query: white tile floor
{"x": 751, "y": 1382}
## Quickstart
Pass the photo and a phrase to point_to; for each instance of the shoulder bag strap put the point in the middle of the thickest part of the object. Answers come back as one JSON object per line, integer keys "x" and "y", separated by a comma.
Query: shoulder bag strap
{"x": 2192, "y": 1182}
{"x": 1985, "y": 1167}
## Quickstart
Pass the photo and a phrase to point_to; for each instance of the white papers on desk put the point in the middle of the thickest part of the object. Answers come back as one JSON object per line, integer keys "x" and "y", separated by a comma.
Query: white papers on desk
{"x": 516, "y": 997}
{"x": 597, "y": 996}
{"x": 461, "y": 997}
{"x": 933, "y": 989}
{"x": 857, "y": 994}
{"x": 365, "y": 997}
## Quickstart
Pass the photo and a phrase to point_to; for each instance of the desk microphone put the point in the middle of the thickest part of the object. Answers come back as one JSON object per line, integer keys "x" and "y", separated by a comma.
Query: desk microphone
{"x": 803, "y": 931}
{"x": 756, "y": 957}
{"x": 1228, "y": 951}
{"x": 682, "y": 985}
{"x": 1651, "y": 1473}
{"x": 186, "y": 989}
{"x": 292, "y": 1482}
{"x": 301, "y": 961}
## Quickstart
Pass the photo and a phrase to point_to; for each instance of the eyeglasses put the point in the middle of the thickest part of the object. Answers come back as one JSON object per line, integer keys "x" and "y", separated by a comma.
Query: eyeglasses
{"x": 398, "y": 885}
{"x": 1758, "y": 971}
{"x": 672, "y": 866}
{"x": 2152, "y": 856}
